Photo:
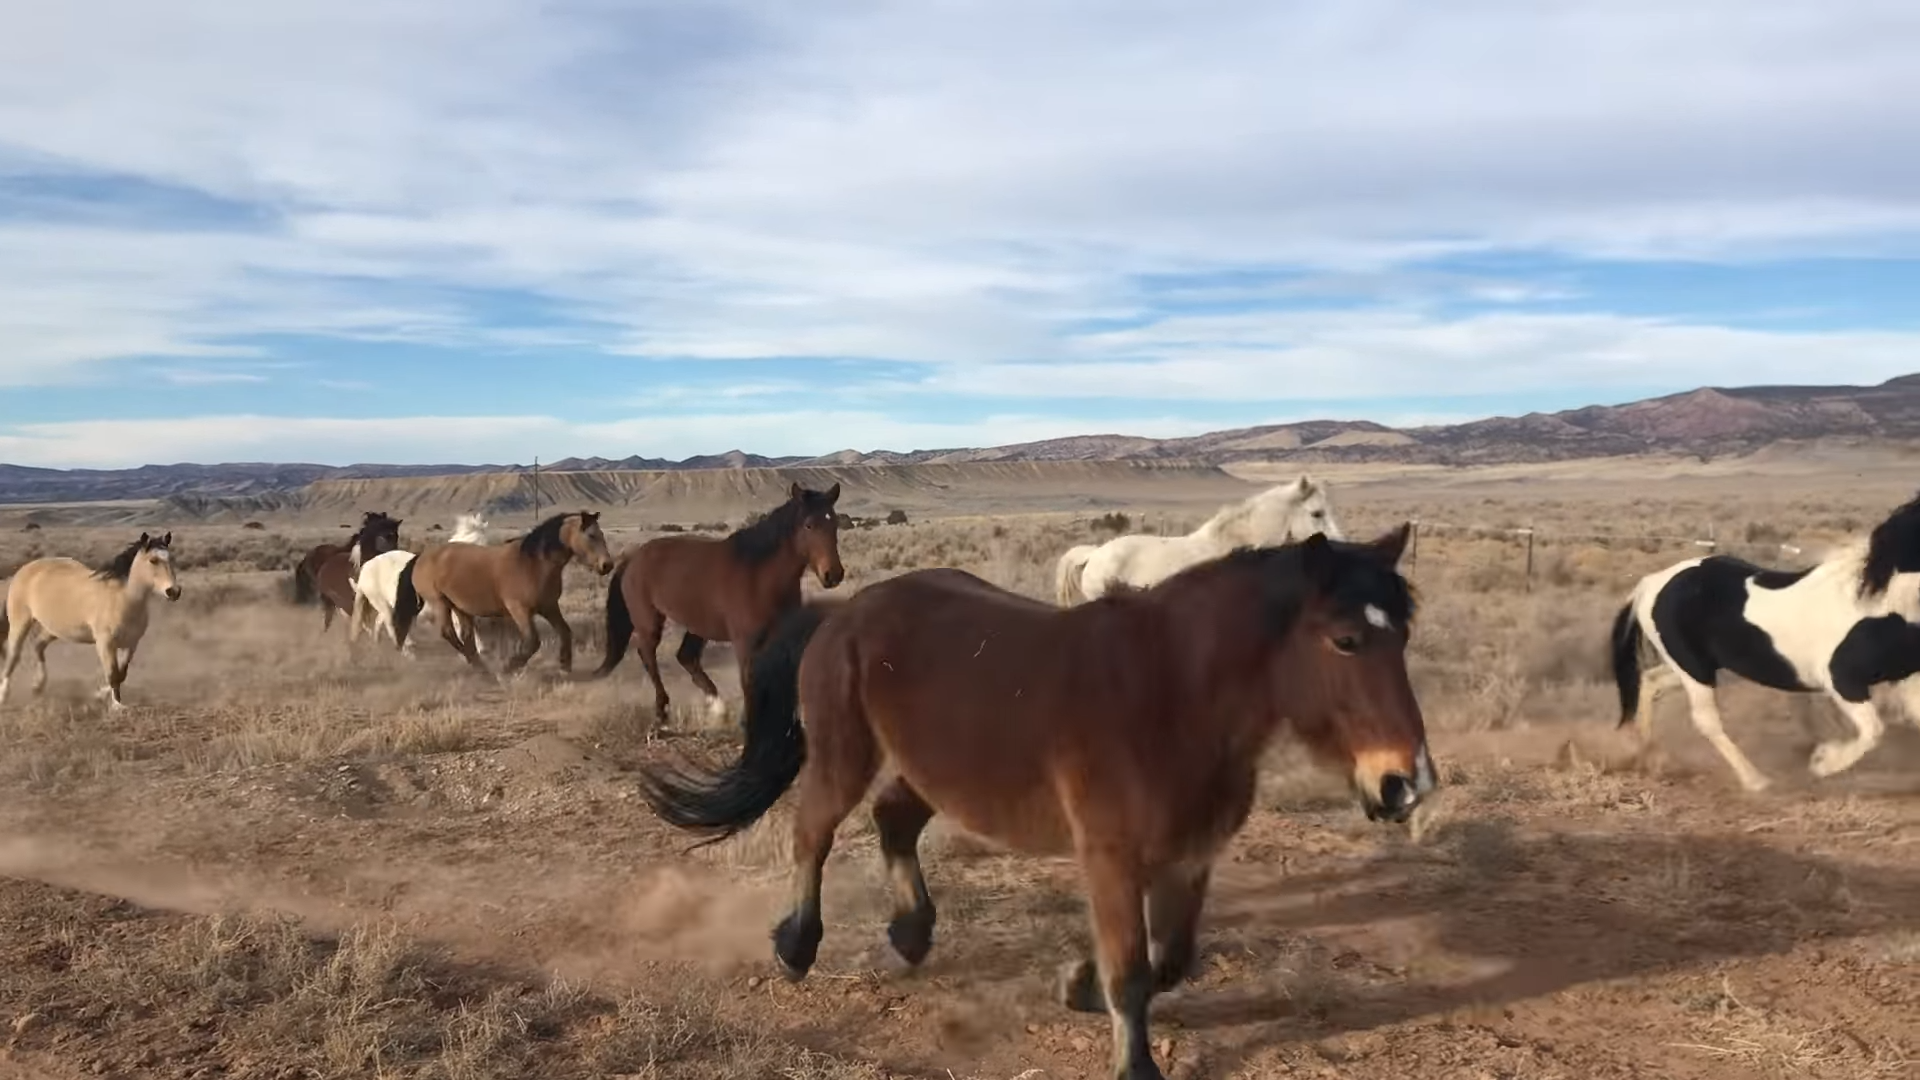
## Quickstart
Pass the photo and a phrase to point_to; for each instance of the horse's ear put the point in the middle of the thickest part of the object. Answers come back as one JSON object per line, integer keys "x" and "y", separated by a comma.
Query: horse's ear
{"x": 1390, "y": 546}
{"x": 167, "y": 540}
{"x": 1316, "y": 557}
{"x": 143, "y": 541}
{"x": 588, "y": 517}
{"x": 833, "y": 493}
{"x": 793, "y": 490}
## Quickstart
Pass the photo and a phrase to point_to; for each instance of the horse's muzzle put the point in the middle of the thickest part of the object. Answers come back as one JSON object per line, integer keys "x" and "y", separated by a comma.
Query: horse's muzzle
{"x": 173, "y": 593}
{"x": 832, "y": 578}
{"x": 1395, "y": 800}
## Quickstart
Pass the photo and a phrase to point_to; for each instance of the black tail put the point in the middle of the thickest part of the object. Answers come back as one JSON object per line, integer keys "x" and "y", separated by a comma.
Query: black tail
{"x": 619, "y": 624}
{"x": 304, "y": 591}
{"x": 1627, "y": 638}
{"x": 718, "y": 804}
{"x": 406, "y": 602}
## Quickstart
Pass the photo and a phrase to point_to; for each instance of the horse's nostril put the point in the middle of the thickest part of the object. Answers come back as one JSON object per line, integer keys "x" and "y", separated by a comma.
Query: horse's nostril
{"x": 1396, "y": 792}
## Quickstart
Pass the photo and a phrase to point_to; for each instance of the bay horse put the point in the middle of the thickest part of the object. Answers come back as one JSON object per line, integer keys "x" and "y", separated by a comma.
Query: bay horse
{"x": 1840, "y": 627}
{"x": 306, "y": 572}
{"x": 333, "y": 578}
{"x": 518, "y": 579}
{"x": 66, "y": 600}
{"x": 1287, "y": 511}
{"x": 720, "y": 589}
{"x": 1126, "y": 732}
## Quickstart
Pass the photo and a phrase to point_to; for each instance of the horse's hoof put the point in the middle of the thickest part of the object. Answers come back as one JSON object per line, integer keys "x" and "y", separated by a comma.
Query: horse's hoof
{"x": 795, "y": 946}
{"x": 1829, "y": 758}
{"x": 911, "y": 935}
{"x": 1079, "y": 987}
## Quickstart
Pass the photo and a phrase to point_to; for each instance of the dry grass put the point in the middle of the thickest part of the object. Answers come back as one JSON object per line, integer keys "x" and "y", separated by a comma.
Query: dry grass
{"x": 242, "y": 684}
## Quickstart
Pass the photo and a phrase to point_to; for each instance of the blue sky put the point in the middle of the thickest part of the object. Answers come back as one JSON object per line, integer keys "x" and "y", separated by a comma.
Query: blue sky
{"x": 489, "y": 230}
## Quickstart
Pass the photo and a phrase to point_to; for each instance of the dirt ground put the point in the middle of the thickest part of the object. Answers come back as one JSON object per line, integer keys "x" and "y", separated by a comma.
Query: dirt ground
{"x": 295, "y": 858}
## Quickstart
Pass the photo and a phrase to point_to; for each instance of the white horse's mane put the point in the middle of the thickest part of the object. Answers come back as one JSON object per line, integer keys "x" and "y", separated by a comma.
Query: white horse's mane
{"x": 469, "y": 529}
{"x": 1236, "y": 521}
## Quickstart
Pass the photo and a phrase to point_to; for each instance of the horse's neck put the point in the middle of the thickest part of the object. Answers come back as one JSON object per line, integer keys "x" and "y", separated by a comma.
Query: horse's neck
{"x": 1210, "y": 540}
{"x": 1217, "y": 648}
{"x": 782, "y": 571}
{"x": 129, "y": 600}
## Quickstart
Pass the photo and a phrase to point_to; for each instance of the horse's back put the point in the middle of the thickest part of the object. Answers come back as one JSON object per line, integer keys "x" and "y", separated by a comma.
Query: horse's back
{"x": 59, "y": 593}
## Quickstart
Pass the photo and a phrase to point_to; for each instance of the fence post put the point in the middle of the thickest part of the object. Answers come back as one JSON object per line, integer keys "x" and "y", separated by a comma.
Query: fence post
{"x": 1529, "y": 558}
{"x": 1413, "y": 546}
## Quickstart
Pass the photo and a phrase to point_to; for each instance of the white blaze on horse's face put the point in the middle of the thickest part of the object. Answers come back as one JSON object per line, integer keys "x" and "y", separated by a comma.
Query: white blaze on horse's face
{"x": 160, "y": 564}
{"x": 1378, "y": 618}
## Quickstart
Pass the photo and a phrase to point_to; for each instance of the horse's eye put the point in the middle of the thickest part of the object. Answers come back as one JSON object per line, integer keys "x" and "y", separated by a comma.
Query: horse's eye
{"x": 1347, "y": 644}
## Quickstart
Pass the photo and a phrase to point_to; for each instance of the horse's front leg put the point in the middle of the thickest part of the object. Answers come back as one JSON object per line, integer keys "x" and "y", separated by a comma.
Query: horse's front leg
{"x": 551, "y": 613}
{"x": 1838, "y": 756}
{"x": 529, "y": 639}
{"x": 17, "y": 632}
{"x": 1120, "y": 981}
{"x": 110, "y": 667}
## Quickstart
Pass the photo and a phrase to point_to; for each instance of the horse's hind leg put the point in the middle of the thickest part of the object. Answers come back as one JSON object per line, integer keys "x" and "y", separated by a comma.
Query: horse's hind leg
{"x": 450, "y": 632}
{"x": 899, "y": 816}
{"x": 647, "y": 627}
{"x": 1706, "y": 720}
{"x": 17, "y": 631}
{"x": 110, "y": 665}
{"x": 840, "y": 767}
{"x": 691, "y": 646}
{"x": 40, "y": 644}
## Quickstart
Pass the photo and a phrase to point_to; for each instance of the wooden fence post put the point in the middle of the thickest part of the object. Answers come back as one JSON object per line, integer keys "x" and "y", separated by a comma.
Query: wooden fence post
{"x": 1529, "y": 558}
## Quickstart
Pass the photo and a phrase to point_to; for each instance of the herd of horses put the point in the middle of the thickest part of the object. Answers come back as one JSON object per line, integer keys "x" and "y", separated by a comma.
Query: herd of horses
{"x": 1122, "y": 725}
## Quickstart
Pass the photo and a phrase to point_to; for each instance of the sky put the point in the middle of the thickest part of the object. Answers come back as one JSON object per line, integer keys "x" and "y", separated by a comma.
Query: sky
{"x": 494, "y": 230}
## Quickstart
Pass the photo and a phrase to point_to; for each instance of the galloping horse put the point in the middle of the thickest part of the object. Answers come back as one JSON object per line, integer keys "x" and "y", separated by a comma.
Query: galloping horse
{"x": 306, "y": 573}
{"x": 727, "y": 589}
{"x": 516, "y": 579}
{"x": 1843, "y": 627}
{"x": 334, "y": 576}
{"x": 1283, "y": 512}
{"x": 66, "y": 600}
{"x": 1127, "y": 732}
{"x": 377, "y": 586}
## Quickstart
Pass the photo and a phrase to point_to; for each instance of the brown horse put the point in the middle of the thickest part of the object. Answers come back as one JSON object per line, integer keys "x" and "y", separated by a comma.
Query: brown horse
{"x": 519, "y": 579}
{"x": 333, "y": 577}
{"x": 1126, "y": 731}
{"x": 726, "y": 589}
{"x": 306, "y": 573}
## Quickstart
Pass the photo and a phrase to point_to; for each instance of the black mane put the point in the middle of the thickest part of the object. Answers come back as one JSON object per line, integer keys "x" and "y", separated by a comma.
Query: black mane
{"x": 545, "y": 536}
{"x": 372, "y": 525}
{"x": 120, "y": 567}
{"x": 1893, "y": 548}
{"x": 762, "y": 540}
{"x": 1356, "y": 573}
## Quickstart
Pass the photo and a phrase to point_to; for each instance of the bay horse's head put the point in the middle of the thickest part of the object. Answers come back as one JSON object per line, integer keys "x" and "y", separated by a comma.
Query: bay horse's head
{"x": 1340, "y": 676}
{"x": 817, "y": 533}
{"x": 580, "y": 532}
{"x": 145, "y": 566}
{"x": 378, "y": 534}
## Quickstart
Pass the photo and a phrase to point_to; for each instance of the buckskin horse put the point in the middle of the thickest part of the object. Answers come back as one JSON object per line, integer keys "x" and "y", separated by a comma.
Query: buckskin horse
{"x": 65, "y": 600}
{"x": 518, "y": 579}
{"x": 1126, "y": 731}
{"x": 720, "y": 589}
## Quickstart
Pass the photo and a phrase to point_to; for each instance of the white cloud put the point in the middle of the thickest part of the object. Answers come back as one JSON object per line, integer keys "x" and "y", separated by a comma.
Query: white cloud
{"x": 513, "y": 439}
{"x": 948, "y": 184}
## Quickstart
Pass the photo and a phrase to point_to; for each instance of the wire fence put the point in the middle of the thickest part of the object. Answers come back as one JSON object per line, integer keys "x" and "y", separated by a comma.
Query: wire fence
{"x": 1526, "y": 537}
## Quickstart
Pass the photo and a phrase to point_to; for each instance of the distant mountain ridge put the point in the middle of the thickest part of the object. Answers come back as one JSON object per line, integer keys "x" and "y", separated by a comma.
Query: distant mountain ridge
{"x": 1710, "y": 422}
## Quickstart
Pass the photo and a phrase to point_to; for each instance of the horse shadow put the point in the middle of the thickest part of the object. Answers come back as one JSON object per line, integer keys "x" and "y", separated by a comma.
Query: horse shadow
{"x": 1544, "y": 915}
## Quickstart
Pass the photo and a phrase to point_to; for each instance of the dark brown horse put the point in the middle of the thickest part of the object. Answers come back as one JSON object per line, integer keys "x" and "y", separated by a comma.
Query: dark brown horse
{"x": 331, "y": 574}
{"x": 1127, "y": 731}
{"x": 720, "y": 589}
{"x": 518, "y": 579}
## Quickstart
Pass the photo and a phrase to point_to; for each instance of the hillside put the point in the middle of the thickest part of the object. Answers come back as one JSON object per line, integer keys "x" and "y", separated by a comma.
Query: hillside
{"x": 1709, "y": 422}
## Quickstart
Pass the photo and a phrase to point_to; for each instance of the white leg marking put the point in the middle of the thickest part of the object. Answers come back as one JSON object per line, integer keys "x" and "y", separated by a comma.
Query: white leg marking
{"x": 1832, "y": 757}
{"x": 1706, "y": 720}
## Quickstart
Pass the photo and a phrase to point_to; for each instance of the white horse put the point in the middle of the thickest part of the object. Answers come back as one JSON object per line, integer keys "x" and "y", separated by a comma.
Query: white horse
{"x": 1287, "y": 511}
{"x": 377, "y": 587}
{"x": 1841, "y": 627}
{"x": 60, "y": 599}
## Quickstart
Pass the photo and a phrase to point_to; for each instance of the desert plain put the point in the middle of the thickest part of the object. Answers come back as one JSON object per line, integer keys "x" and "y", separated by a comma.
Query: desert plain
{"x": 293, "y": 856}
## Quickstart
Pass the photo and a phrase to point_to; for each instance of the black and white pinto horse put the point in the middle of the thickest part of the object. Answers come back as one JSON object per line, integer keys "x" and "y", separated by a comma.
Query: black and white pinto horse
{"x": 1843, "y": 626}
